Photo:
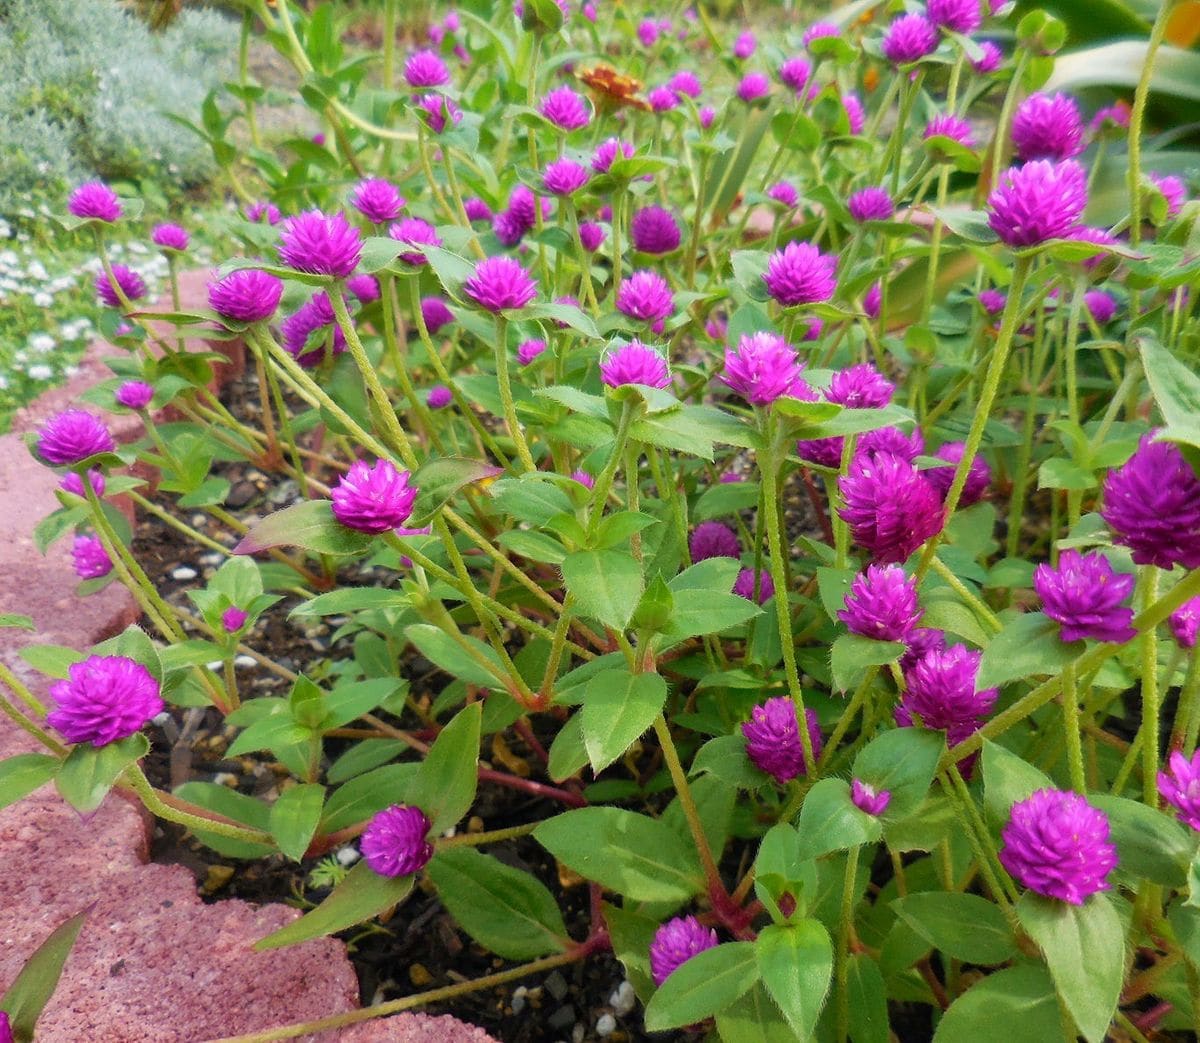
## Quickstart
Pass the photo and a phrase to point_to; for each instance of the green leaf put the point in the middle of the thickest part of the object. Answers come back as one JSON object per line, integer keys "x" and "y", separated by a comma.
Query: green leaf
{"x": 309, "y": 525}
{"x": 367, "y": 794}
{"x": 1151, "y": 844}
{"x": 617, "y": 708}
{"x": 232, "y": 805}
{"x": 536, "y": 546}
{"x": 829, "y": 820}
{"x": 795, "y": 962}
{"x": 1008, "y": 779}
{"x": 362, "y": 895}
{"x": 1021, "y": 999}
{"x": 707, "y": 983}
{"x": 1028, "y": 646}
{"x": 439, "y": 480}
{"x": 1176, "y": 390}
{"x": 89, "y": 772}
{"x": 904, "y": 762}
{"x": 444, "y": 652}
{"x": 35, "y": 983}
{"x": 349, "y": 599}
{"x": 868, "y": 1001}
{"x": 294, "y": 818}
{"x": 971, "y": 225}
{"x": 852, "y": 655}
{"x": 963, "y": 926}
{"x": 725, "y": 758}
{"x": 754, "y": 1018}
{"x": 1084, "y": 947}
{"x": 445, "y": 784}
{"x": 348, "y": 702}
{"x": 567, "y": 753}
{"x": 636, "y": 856}
{"x": 632, "y": 934}
{"x": 51, "y": 660}
{"x": 1120, "y": 64}
{"x": 606, "y": 584}
{"x": 711, "y": 614}
{"x": 507, "y": 911}
{"x": 15, "y": 619}
{"x": 530, "y": 499}
{"x": 22, "y": 774}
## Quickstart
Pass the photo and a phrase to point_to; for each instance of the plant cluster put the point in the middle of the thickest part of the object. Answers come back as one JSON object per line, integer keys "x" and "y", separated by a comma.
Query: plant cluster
{"x": 776, "y": 450}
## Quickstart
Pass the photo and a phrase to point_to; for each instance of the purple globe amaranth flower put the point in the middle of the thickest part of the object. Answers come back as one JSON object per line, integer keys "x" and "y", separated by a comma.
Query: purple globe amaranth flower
{"x": 979, "y": 477}
{"x": 438, "y": 110}
{"x": 523, "y": 205}
{"x": 653, "y": 230}
{"x": 258, "y": 213}
{"x": 439, "y": 397}
{"x": 921, "y": 642}
{"x": 90, "y": 559}
{"x": 824, "y": 452}
{"x": 873, "y": 300}
{"x": 856, "y": 115}
{"x": 993, "y": 301}
{"x": 1056, "y": 844}
{"x": 960, "y": 16}
{"x": 425, "y": 69}
{"x": 1184, "y": 622}
{"x": 784, "y": 192}
{"x": 947, "y": 125}
{"x": 941, "y": 691}
{"x": 1038, "y": 201}
{"x": 562, "y": 177}
{"x": 648, "y": 32}
{"x": 645, "y": 295}
{"x": 1111, "y": 117}
{"x": 170, "y": 237}
{"x": 662, "y": 99}
{"x": 414, "y": 232}
{"x": 706, "y": 115}
{"x": 373, "y": 499}
{"x": 773, "y": 738}
{"x": 365, "y": 288}
{"x": 6, "y": 1034}
{"x": 233, "y": 619}
{"x": 860, "y": 387}
{"x": 528, "y": 350}
{"x": 820, "y": 31}
{"x": 134, "y": 394}
{"x": 73, "y": 483}
{"x": 890, "y": 507}
{"x": 909, "y": 38}
{"x": 584, "y": 479}
{"x": 72, "y": 436}
{"x": 686, "y": 82}
{"x": 607, "y": 151}
{"x": 882, "y": 604}
{"x": 868, "y": 799}
{"x": 1180, "y": 787}
{"x": 713, "y": 539}
{"x": 800, "y": 274}
{"x": 635, "y": 363}
{"x": 744, "y": 45}
{"x": 1173, "y": 190}
{"x": 394, "y": 842}
{"x": 990, "y": 58}
{"x": 891, "y": 440}
{"x": 435, "y": 313}
{"x": 95, "y": 201}
{"x": 247, "y": 295}
{"x": 871, "y": 204}
{"x": 795, "y": 73}
{"x": 754, "y": 85}
{"x": 378, "y": 200}
{"x": 676, "y": 942}
{"x": 765, "y": 367}
{"x": 103, "y": 699}
{"x": 132, "y": 285}
{"x": 1100, "y": 305}
{"x": 1083, "y": 595}
{"x": 565, "y": 109}
{"x": 746, "y": 582}
{"x": 476, "y": 209}
{"x": 591, "y": 235}
{"x": 322, "y": 244}
{"x": 316, "y": 314}
{"x": 1152, "y": 506}
{"x": 1047, "y": 126}
{"x": 500, "y": 283}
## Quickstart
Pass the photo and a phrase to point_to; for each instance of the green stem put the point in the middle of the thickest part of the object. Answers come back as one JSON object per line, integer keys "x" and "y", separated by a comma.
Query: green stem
{"x": 965, "y": 592}
{"x": 1151, "y": 706}
{"x": 843, "y": 944}
{"x": 1188, "y": 723}
{"x": 1070, "y": 705}
{"x": 687, "y": 803}
{"x": 1137, "y": 116}
{"x": 155, "y": 803}
{"x": 493, "y": 836}
{"x": 515, "y": 431}
{"x": 605, "y": 480}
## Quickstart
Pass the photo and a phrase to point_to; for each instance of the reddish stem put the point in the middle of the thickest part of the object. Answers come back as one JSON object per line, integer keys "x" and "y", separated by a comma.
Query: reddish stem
{"x": 538, "y": 789}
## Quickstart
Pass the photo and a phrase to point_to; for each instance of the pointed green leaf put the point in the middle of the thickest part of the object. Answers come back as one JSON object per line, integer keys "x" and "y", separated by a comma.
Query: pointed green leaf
{"x": 829, "y": 820}
{"x": 29, "y": 993}
{"x": 309, "y": 525}
{"x": 294, "y": 818}
{"x": 606, "y": 584}
{"x": 707, "y": 983}
{"x": 1021, "y": 999}
{"x": 617, "y": 708}
{"x": 1007, "y": 779}
{"x": 439, "y": 480}
{"x": 89, "y": 772}
{"x": 902, "y": 761}
{"x": 445, "y": 784}
{"x": 852, "y": 655}
{"x": 1028, "y": 646}
{"x": 795, "y": 962}
{"x": 963, "y": 926}
{"x": 22, "y": 774}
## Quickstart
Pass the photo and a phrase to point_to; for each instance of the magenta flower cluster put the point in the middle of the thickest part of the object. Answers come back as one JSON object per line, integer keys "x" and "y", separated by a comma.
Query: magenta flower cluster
{"x": 882, "y": 604}
{"x": 104, "y": 699}
{"x": 773, "y": 738}
{"x": 800, "y": 274}
{"x": 394, "y": 842}
{"x": 765, "y": 367}
{"x": 373, "y": 499}
{"x": 1085, "y": 596}
{"x": 1152, "y": 506}
{"x": 635, "y": 363}
{"x": 676, "y": 942}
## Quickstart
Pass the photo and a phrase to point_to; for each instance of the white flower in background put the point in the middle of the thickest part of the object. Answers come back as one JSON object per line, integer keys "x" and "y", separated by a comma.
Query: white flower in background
{"x": 40, "y": 372}
{"x": 42, "y": 299}
{"x": 41, "y": 343}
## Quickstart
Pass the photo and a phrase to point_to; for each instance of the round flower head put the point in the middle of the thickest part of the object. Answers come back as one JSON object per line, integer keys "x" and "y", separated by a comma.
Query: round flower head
{"x": 1056, "y": 844}
{"x": 855, "y": 113}
{"x": 476, "y": 209}
{"x": 73, "y": 484}
{"x": 941, "y": 691}
{"x": 744, "y": 45}
{"x": 1083, "y": 594}
{"x": 662, "y": 99}
{"x": 646, "y": 295}
{"x": 414, "y": 232}
{"x": 676, "y": 942}
{"x": 131, "y": 285}
{"x": 246, "y": 295}
{"x": 1184, "y": 621}
{"x": 1180, "y": 787}
{"x": 562, "y": 177}
{"x": 607, "y": 151}
{"x": 425, "y": 69}
{"x": 365, "y": 288}
{"x": 1152, "y": 506}
{"x": 947, "y": 125}
{"x": 773, "y": 738}
{"x": 1100, "y": 305}
{"x": 377, "y": 200}
{"x": 868, "y": 799}
{"x": 871, "y": 204}
{"x": 824, "y": 452}
{"x": 233, "y": 619}
{"x": 653, "y": 230}
{"x": 784, "y": 193}
{"x": 635, "y": 363}
{"x": 528, "y": 350}
{"x": 706, "y": 115}
{"x": 1038, "y": 201}
{"x": 990, "y": 58}
{"x": 565, "y": 109}
{"x": 1047, "y": 127}
{"x": 921, "y": 642}
{"x": 134, "y": 394}
{"x": 1111, "y": 117}
{"x": 795, "y": 73}
{"x": 298, "y": 329}
{"x": 95, "y": 201}
{"x": 522, "y": 208}
{"x": 1173, "y": 190}
{"x": 263, "y": 213}
{"x": 909, "y": 38}
{"x": 323, "y": 244}
{"x": 394, "y": 844}
{"x": 687, "y": 83}
{"x": 584, "y": 479}
{"x": 439, "y": 397}
{"x": 860, "y": 387}
{"x": 500, "y": 283}
{"x": 435, "y": 313}
{"x": 882, "y": 604}
{"x": 890, "y": 507}
{"x": 960, "y": 16}
{"x": 72, "y": 436}
{"x": 591, "y": 235}
{"x": 993, "y": 301}
{"x": 438, "y": 109}
{"x": 713, "y": 539}
{"x": 103, "y": 699}
{"x": 746, "y": 582}
{"x": 170, "y": 237}
{"x": 979, "y": 477}
{"x": 648, "y": 32}
{"x": 892, "y": 440}
{"x": 373, "y": 499}
{"x": 763, "y": 368}
{"x": 90, "y": 559}
{"x": 873, "y": 301}
{"x": 820, "y": 31}
{"x": 800, "y": 274}
{"x": 754, "y": 85}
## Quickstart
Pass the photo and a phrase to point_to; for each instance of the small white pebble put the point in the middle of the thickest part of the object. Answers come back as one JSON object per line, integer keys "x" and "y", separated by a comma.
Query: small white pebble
{"x": 348, "y": 855}
{"x": 623, "y": 999}
{"x": 183, "y": 572}
{"x": 225, "y": 778}
{"x": 606, "y": 1025}
{"x": 245, "y": 661}
{"x": 215, "y": 665}
{"x": 577, "y": 1033}
{"x": 518, "y": 999}
{"x": 161, "y": 718}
